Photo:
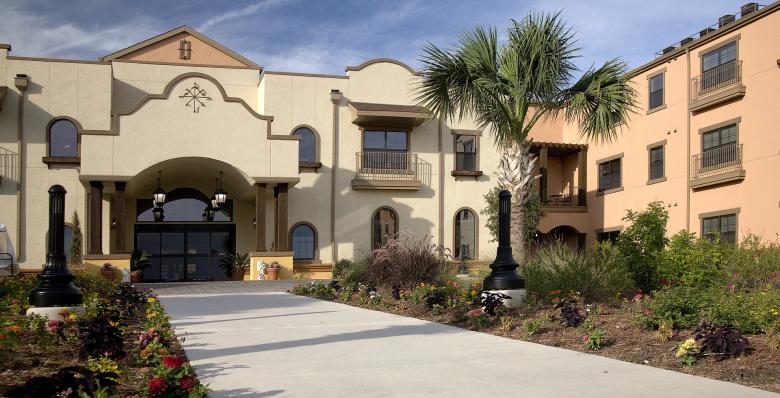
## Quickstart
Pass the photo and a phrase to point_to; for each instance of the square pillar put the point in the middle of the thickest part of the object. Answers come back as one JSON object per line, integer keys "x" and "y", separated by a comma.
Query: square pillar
{"x": 280, "y": 234}
{"x": 95, "y": 212}
{"x": 582, "y": 176}
{"x": 543, "y": 173}
{"x": 119, "y": 212}
{"x": 260, "y": 217}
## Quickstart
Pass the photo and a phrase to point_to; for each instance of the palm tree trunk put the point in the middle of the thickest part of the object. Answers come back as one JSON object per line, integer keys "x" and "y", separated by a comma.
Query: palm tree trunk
{"x": 515, "y": 173}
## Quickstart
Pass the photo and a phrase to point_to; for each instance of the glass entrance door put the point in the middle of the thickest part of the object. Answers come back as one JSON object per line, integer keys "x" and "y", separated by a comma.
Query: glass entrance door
{"x": 185, "y": 252}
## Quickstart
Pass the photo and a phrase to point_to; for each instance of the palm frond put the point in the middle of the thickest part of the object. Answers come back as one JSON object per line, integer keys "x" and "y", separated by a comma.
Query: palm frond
{"x": 601, "y": 101}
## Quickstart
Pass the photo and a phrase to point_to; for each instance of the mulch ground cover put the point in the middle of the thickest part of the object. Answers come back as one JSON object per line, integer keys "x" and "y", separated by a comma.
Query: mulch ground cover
{"x": 624, "y": 339}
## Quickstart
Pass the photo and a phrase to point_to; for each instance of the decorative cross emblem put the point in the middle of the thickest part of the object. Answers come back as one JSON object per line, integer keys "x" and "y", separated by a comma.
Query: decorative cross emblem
{"x": 196, "y": 97}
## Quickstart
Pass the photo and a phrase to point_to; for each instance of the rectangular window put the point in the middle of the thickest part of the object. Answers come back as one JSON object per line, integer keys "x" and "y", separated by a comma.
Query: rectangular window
{"x": 611, "y": 236}
{"x": 719, "y": 147}
{"x": 385, "y": 149}
{"x": 656, "y": 158}
{"x": 656, "y": 91}
{"x": 724, "y": 226}
{"x": 609, "y": 175}
{"x": 465, "y": 152}
{"x": 719, "y": 66}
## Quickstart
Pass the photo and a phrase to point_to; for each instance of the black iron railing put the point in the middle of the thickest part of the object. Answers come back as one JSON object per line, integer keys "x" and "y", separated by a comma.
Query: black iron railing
{"x": 388, "y": 166}
{"x": 716, "y": 80}
{"x": 721, "y": 160}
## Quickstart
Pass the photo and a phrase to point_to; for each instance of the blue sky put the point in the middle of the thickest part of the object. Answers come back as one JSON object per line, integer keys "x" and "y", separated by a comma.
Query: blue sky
{"x": 325, "y": 36}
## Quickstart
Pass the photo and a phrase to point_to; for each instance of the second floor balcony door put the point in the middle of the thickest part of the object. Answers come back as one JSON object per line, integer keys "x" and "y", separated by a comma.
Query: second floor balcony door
{"x": 385, "y": 150}
{"x": 719, "y": 67}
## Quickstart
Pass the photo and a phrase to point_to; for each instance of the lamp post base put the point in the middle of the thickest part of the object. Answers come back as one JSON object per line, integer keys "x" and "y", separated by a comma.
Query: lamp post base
{"x": 55, "y": 313}
{"x": 516, "y": 297}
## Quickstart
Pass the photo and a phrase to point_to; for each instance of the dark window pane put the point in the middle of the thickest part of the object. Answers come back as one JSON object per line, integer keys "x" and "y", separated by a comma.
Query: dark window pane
{"x": 385, "y": 226}
{"x": 172, "y": 243}
{"x": 198, "y": 243}
{"x": 609, "y": 175}
{"x": 373, "y": 139}
{"x": 656, "y": 162}
{"x": 396, "y": 140}
{"x": 657, "y": 91}
{"x": 303, "y": 242}
{"x": 724, "y": 226}
{"x": 307, "y": 145}
{"x": 63, "y": 139}
{"x": 221, "y": 243}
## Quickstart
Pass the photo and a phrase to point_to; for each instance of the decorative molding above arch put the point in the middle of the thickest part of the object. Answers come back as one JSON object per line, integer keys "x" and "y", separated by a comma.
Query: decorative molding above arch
{"x": 381, "y": 60}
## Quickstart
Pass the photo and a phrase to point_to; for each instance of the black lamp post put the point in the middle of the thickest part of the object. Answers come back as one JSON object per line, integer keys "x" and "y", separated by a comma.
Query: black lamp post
{"x": 503, "y": 275}
{"x": 56, "y": 288}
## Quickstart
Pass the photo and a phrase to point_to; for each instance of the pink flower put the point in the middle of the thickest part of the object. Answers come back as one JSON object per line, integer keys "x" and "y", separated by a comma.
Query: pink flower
{"x": 731, "y": 287}
{"x": 187, "y": 383}
{"x": 475, "y": 312}
{"x": 54, "y": 325}
{"x": 638, "y": 296}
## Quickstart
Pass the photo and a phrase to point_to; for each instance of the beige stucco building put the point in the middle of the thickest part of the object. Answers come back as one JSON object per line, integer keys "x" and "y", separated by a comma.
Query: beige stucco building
{"x": 320, "y": 167}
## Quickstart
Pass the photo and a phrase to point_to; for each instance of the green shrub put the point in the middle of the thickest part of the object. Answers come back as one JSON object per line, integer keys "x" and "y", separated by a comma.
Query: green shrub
{"x": 357, "y": 271}
{"x": 749, "y": 312}
{"x": 683, "y": 306}
{"x": 341, "y": 267}
{"x": 596, "y": 274}
{"x": 407, "y": 261}
{"x": 641, "y": 243}
{"x": 532, "y": 213}
{"x": 754, "y": 264}
{"x": 692, "y": 261}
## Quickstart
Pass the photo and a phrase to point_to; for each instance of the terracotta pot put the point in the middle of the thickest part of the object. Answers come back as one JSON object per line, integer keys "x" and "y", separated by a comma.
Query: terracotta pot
{"x": 111, "y": 275}
{"x": 237, "y": 276}
{"x": 272, "y": 274}
{"x": 136, "y": 276}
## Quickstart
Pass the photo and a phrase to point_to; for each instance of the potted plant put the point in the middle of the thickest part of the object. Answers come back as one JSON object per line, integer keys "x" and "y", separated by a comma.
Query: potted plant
{"x": 108, "y": 271}
{"x": 235, "y": 265}
{"x": 139, "y": 261}
{"x": 272, "y": 272}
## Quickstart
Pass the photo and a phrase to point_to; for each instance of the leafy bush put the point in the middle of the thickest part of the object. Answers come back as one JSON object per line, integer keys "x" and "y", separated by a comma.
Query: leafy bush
{"x": 70, "y": 382}
{"x": 754, "y": 264}
{"x": 490, "y": 302}
{"x": 317, "y": 290}
{"x": 641, "y": 243}
{"x": 595, "y": 339}
{"x": 341, "y": 267}
{"x": 570, "y": 314}
{"x": 407, "y": 261}
{"x": 532, "y": 213}
{"x": 718, "y": 339}
{"x": 689, "y": 260}
{"x": 747, "y": 311}
{"x": 101, "y": 336}
{"x": 595, "y": 274}
{"x": 682, "y": 306}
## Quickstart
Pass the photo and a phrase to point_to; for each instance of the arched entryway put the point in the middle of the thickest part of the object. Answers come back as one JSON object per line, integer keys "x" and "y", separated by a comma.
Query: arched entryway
{"x": 565, "y": 234}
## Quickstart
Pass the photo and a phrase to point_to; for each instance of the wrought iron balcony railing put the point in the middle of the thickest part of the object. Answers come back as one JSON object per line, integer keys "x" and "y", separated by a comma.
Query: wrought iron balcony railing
{"x": 717, "y": 161}
{"x": 568, "y": 198}
{"x": 716, "y": 80}
{"x": 388, "y": 166}
{"x": 8, "y": 166}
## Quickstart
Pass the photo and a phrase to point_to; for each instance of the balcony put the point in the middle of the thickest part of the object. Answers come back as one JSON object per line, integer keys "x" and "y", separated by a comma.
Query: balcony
{"x": 716, "y": 86}
{"x": 8, "y": 165}
{"x": 389, "y": 170}
{"x": 567, "y": 201}
{"x": 717, "y": 166}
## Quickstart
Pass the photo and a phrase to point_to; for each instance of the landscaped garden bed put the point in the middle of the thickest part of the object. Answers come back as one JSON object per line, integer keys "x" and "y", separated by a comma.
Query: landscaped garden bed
{"x": 713, "y": 309}
{"x": 122, "y": 346}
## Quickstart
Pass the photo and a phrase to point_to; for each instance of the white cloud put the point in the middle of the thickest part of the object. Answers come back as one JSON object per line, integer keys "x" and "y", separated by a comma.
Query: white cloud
{"x": 54, "y": 38}
{"x": 308, "y": 58}
{"x": 240, "y": 13}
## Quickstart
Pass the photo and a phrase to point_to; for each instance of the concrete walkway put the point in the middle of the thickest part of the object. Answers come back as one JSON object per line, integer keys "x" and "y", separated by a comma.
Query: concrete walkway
{"x": 279, "y": 345}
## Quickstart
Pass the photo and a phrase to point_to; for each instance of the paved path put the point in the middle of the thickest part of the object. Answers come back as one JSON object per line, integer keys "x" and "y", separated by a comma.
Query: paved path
{"x": 280, "y": 345}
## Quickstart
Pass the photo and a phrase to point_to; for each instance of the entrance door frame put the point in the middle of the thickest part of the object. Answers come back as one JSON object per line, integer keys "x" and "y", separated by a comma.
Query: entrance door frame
{"x": 185, "y": 227}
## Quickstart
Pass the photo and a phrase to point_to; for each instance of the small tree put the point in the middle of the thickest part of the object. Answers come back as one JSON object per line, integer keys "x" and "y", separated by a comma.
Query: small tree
{"x": 533, "y": 213}
{"x": 76, "y": 243}
{"x": 642, "y": 242}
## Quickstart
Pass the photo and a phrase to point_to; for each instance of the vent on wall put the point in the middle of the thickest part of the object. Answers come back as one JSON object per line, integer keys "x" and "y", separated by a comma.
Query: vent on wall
{"x": 185, "y": 49}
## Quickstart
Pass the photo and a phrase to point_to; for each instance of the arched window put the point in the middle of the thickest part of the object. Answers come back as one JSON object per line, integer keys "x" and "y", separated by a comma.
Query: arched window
{"x": 465, "y": 235}
{"x": 304, "y": 242}
{"x": 384, "y": 226}
{"x": 307, "y": 146}
{"x": 63, "y": 139}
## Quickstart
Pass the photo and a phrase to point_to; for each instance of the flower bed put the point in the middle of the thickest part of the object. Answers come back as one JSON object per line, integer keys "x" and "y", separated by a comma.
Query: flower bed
{"x": 123, "y": 346}
{"x": 615, "y": 328}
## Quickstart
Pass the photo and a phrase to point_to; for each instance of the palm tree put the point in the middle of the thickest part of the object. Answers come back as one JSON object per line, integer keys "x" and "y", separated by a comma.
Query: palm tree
{"x": 508, "y": 87}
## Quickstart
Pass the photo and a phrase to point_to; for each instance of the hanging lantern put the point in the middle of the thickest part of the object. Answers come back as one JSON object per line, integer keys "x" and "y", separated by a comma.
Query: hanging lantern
{"x": 214, "y": 202}
{"x": 159, "y": 193}
{"x": 220, "y": 196}
{"x": 210, "y": 212}
{"x": 158, "y": 214}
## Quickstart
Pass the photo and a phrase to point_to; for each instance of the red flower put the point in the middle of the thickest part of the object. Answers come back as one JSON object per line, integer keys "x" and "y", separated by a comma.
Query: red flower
{"x": 172, "y": 362}
{"x": 54, "y": 325}
{"x": 157, "y": 386}
{"x": 475, "y": 312}
{"x": 187, "y": 383}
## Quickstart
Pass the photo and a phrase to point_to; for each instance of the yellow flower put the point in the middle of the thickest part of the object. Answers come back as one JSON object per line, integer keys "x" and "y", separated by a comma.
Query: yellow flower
{"x": 151, "y": 300}
{"x": 14, "y": 329}
{"x": 114, "y": 324}
{"x": 686, "y": 347}
{"x": 72, "y": 317}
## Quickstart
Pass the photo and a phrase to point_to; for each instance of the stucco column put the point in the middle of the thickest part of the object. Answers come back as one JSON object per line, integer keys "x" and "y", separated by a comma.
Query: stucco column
{"x": 119, "y": 217}
{"x": 582, "y": 176}
{"x": 543, "y": 173}
{"x": 95, "y": 217}
{"x": 260, "y": 217}
{"x": 280, "y": 194}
